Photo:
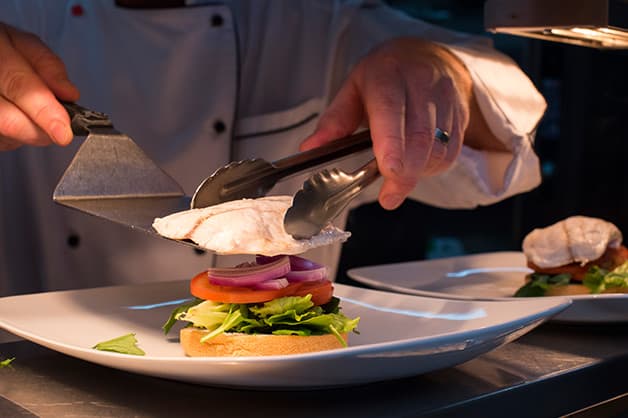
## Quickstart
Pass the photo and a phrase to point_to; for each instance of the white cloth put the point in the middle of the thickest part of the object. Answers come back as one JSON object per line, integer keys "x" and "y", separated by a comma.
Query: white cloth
{"x": 267, "y": 71}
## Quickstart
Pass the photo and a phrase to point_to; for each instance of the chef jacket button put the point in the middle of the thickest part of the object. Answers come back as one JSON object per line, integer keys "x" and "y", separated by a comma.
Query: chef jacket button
{"x": 73, "y": 240}
{"x": 77, "y": 10}
{"x": 198, "y": 251}
{"x": 217, "y": 20}
{"x": 219, "y": 126}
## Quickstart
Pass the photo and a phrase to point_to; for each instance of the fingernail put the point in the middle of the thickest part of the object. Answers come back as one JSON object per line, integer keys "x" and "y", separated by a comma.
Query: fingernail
{"x": 394, "y": 164}
{"x": 391, "y": 201}
{"x": 69, "y": 89}
{"x": 64, "y": 81}
{"x": 70, "y": 85}
{"x": 61, "y": 134}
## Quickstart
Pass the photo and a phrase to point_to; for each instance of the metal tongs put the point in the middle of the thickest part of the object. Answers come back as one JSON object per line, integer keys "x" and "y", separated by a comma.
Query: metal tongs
{"x": 112, "y": 178}
{"x": 322, "y": 198}
{"x": 255, "y": 177}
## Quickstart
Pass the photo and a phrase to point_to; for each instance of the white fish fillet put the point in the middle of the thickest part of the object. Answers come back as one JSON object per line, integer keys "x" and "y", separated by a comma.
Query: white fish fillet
{"x": 246, "y": 226}
{"x": 576, "y": 239}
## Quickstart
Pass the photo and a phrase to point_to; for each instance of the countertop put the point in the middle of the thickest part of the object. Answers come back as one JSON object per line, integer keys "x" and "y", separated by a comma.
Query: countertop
{"x": 555, "y": 370}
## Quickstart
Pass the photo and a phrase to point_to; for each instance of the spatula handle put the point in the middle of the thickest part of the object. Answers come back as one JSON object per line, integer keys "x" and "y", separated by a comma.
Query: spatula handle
{"x": 83, "y": 119}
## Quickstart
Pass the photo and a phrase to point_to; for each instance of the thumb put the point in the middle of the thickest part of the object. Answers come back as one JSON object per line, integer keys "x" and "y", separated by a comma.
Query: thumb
{"x": 343, "y": 116}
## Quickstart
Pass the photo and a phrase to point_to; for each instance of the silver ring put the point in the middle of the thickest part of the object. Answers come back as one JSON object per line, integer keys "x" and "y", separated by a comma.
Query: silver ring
{"x": 441, "y": 136}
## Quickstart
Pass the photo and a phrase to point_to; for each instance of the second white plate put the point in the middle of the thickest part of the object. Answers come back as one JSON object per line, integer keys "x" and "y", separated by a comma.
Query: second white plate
{"x": 487, "y": 276}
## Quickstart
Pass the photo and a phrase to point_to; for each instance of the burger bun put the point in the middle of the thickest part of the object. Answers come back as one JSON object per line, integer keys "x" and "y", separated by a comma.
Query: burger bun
{"x": 239, "y": 345}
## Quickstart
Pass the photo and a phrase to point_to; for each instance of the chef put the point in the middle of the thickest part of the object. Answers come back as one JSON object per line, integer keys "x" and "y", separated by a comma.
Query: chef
{"x": 197, "y": 84}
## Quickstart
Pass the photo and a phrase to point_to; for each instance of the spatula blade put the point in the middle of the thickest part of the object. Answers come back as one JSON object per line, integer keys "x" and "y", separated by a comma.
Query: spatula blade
{"x": 110, "y": 177}
{"x": 110, "y": 165}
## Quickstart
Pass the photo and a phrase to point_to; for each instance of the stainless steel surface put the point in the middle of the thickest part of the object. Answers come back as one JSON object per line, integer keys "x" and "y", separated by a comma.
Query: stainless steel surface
{"x": 112, "y": 178}
{"x": 552, "y": 371}
{"x": 324, "y": 196}
{"x": 598, "y": 24}
{"x": 255, "y": 177}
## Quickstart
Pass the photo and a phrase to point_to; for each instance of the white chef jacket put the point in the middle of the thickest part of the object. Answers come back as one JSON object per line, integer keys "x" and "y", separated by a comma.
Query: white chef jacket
{"x": 197, "y": 87}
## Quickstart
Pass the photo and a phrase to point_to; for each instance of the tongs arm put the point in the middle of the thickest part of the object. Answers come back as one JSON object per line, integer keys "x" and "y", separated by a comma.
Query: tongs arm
{"x": 331, "y": 151}
{"x": 255, "y": 177}
{"x": 324, "y": 196}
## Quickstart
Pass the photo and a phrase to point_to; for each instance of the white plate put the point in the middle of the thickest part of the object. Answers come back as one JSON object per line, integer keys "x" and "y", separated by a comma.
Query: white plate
{"x": 400, "y": 335}
{"x": 488, "y": 276}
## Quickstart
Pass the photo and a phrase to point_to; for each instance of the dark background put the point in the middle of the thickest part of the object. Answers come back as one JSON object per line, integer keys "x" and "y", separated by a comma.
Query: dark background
{"x": 582, "y": 143}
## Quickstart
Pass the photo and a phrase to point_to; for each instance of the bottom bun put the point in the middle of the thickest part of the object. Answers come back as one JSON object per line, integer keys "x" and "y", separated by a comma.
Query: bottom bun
{"x": 579, "y": 289}
{"x": 567, "y": 290}
{"x": 238, "y": 345}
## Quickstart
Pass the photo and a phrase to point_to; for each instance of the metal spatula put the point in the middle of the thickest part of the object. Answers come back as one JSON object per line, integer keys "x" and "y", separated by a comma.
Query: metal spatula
{"x": 112, "y": 178}
{"x": 324, "y": 196}
{"x": 255, "y": 177}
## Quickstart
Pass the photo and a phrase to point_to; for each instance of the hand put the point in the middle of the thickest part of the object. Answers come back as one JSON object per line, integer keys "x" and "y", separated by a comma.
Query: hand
{"x": 32, "y": 77}
{"x": 403, "y": 90}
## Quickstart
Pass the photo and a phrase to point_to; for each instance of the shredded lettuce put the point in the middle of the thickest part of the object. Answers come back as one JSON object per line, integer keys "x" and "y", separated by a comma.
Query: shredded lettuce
{"x": 206, "y": 314}
{"x": 290, "y": 315}
{"x": 596, "y": 279}
{"x": 6, "y": 362}
{"x": 539, "y": 283}
{"x": 173, "y": 316}
{"x": 125, "y": 344}
{"x": 289, "y": 303}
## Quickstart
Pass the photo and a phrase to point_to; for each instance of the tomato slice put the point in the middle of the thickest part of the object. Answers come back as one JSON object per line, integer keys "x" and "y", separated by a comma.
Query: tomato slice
{"x": 200, "y": 287}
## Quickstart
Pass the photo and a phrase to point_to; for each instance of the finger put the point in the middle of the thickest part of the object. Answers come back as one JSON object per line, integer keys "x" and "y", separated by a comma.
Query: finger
{"x": 420, "y": 126}
{"x": 438, "y": 161}
{"x": 385, "y": 104}
{"x": 459, "y": 119}
{"x": 24, "y": 88}
{"x": 45, "y": 63}
{"x": 419, "y": 121}
{"x": 416, "y": 146}
{"x": 343, "y": 116}
{"x": 17, "y": 128}
{"x": 7, "y": 144}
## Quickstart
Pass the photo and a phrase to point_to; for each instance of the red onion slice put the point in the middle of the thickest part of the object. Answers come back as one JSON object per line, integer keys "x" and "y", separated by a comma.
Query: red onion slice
{"x": 307, "y": 275}
{"x": 249, "y": 275}
{"x": 272, "y": 284}
{"x": 300, "y": 264}
{"x": 304, "y": 270}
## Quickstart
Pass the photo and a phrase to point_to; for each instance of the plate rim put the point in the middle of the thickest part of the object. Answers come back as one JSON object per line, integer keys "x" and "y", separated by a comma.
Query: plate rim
{"x": 543, "y": 313}
{"x": 379, "y": 285}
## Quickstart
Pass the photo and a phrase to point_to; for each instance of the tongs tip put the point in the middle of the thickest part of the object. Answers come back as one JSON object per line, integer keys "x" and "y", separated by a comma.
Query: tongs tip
{"x": 323, "y": 197}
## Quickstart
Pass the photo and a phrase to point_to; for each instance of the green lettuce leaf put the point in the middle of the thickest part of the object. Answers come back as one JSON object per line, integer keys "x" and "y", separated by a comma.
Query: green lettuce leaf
{"x": 167, "y": 326}
{"x": 539, "y": 283}
{"x": 207, "y": 314}
{"x": 598, "y": 279}
{"x": 126, "y": 344}
{"x": 231, "y": 321}
{"x": 6, "y": 362}
{"x": 290, "y": 315}
{"x": 278, "y": 306}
